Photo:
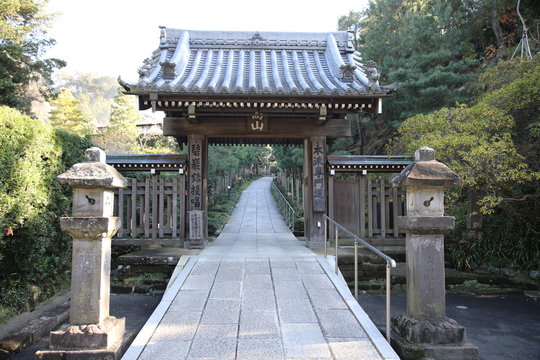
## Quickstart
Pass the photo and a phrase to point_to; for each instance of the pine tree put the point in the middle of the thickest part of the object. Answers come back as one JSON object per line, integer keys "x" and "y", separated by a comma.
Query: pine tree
{"x": 120, "y": 136}
{"x": 424, "y": 45}
{"x": 23, "y": 42}
{"x": 67, "y": 115}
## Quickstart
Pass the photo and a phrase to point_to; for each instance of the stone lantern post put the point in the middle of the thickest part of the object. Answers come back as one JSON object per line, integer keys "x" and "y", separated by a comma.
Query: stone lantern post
{"x": 92, "y": 225}
{"x": 425, "y": 322}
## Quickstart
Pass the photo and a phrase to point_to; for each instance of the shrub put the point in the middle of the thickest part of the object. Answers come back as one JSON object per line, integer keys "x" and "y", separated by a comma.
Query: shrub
{"x": 34, "y": 252}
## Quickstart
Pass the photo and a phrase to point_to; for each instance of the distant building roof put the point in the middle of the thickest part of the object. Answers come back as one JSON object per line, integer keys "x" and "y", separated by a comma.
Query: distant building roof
{"x": 274, "y": 64}
{"x": 145, "y": 162}
{"x": 370, "y": 163}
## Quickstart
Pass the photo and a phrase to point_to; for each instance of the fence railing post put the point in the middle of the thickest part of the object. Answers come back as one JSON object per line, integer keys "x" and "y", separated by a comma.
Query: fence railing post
{"x": 389, "y": 264}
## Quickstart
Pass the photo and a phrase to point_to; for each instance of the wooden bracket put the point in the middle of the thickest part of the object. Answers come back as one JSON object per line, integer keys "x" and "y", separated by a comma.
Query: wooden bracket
{"x": 192, "y": 118}
{"x": 153, "y": 100}
{"x": 323, "y": 114}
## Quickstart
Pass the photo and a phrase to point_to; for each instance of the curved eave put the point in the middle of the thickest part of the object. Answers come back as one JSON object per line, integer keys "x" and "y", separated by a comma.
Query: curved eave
{"x": 133, "y": 90}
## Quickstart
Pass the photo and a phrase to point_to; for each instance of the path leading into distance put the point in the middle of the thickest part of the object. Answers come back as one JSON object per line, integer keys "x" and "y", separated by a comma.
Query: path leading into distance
{"x": 255, "y": 293}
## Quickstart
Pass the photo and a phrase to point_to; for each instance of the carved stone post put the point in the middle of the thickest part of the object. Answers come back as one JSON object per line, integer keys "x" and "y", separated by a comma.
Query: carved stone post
{"x": 197, "y": 192}
{"x": 92, "y": 225}
{"x": 426, "y": 323}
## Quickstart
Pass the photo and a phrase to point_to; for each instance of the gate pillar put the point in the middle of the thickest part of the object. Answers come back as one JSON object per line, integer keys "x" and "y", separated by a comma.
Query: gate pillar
{"x": 315, "y": 190}
{"x": 197, "y": 193}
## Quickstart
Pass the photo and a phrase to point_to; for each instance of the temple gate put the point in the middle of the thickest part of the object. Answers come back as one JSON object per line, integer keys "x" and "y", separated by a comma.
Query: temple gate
{"x": 257, "y": 88}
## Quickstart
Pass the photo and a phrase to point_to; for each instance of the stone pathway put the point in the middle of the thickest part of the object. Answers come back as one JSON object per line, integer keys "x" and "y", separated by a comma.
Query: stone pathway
{"x": 257, "y": 292}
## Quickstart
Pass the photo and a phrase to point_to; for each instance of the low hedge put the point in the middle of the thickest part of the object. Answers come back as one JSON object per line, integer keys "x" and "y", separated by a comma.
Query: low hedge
{"x": 34, "y": 252}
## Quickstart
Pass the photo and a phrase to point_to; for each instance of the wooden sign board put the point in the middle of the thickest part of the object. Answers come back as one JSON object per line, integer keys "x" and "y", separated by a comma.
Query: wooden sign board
{"x": 196, "y": 224}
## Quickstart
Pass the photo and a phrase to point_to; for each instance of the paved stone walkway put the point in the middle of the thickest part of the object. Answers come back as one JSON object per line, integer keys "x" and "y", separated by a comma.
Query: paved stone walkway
{"x": 257, "y": 292}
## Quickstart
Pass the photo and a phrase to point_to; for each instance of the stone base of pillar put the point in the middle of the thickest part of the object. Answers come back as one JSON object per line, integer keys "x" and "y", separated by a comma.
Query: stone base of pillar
{"x": 200, "y": 244}
{"x": 115, "y": 352}
{"x": 316, "y": 244}
{"x": 465, "y": 351}
{"x": 444, "y": 331}
{"x": 421, "y": 339}
{"x": 81, "y": 342}
{"x": 409, "y": 351}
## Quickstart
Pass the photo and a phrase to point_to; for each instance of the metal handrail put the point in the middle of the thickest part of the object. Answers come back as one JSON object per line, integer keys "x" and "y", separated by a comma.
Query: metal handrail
{"x": 286, "y": 209}
{"x": 390, "y": 263}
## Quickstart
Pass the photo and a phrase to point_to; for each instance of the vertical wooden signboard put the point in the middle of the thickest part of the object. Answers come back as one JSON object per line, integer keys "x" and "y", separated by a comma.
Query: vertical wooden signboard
{"x": 318, "y": 157}
{"x": 196, "y": 205}
{"x": 195, "y": 173}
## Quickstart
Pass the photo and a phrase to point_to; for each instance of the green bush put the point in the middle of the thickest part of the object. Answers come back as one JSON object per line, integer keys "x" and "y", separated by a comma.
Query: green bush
{"x": 34, "y": 252}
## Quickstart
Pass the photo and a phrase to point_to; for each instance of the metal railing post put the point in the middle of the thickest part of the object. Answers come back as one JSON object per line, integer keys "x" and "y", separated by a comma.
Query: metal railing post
{"x": 356, "y": 270}
{"x": 390, "y": 263}
{"x": 388, "y": 287}
{"x": 286, "y": 209}
{"x": 325, "y": 238}
{"x": 337, "y": 246}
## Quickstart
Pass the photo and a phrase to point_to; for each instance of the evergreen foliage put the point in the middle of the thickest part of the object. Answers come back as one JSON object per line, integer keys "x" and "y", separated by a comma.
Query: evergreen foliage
{"x": 95, "y": 93}
{"x": 34, "y": 252}
{"x": 494, "y": 146}
{"x": 23, "y": 42}
{"x": 67, "y": 115}
{"x": 425, "y": 47}
{"x": 289, "y": 158}
{"x": 120, "y": 136}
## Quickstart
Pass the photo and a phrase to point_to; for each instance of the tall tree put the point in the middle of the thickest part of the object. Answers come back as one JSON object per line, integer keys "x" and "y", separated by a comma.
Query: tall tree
{"x": 23, "y": 41}
{"x": 495, "y": 146}
{"x": 67, "y": 115}
{"x": 423, "y": 45}
{"x": 95, "y": 92}
{"x": 120, "y": 136}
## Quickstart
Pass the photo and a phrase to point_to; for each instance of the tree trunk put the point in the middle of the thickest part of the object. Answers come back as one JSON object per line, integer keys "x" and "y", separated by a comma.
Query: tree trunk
{"x": 496, "y": 27}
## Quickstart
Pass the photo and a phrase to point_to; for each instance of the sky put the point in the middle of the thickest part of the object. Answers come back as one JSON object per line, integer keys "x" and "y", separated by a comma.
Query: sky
{"x": 113, "y": 37}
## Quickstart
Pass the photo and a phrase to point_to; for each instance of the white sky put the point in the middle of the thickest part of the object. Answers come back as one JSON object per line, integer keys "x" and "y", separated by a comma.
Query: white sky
{"x": 113, "y": 37}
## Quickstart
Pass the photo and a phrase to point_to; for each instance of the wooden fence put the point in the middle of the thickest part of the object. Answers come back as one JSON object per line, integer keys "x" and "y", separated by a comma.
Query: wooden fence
{"x": 152, "y": 208}
{"x": 366, "y": 207}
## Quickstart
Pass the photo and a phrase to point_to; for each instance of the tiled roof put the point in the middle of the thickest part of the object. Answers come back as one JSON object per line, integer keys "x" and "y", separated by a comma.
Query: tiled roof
{"x": 371, "y": 163}
{"x": 252, "y": 63}
{"x": 143, "y": 162}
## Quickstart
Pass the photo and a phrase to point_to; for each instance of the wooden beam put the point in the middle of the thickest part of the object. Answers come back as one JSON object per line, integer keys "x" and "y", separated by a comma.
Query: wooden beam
{"x": 277, "y": 127}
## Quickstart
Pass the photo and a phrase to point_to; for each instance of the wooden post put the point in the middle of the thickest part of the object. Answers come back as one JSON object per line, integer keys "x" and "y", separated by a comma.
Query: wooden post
{"x": 362, "y": 183}
{"x": 318, "y": 190}
{"x": 140, "y": 194}
{"x": 154, "y": 207}
{"x": 182, "y": 212}
{"x": 197, "y": 189}
{"x": 133, "y": 208}
{"x": 383, "y": 207}
{"x": 161, "y": 206}
{"x": 331, "y": 205}
{"x": 307, "y": 189}
{"x": 146, "y": 208}
{"x": 395, "y": 210}
{"x": 370, "y": 207}
{"x": 174, "y": 199}
{"x": 121, "y": 212}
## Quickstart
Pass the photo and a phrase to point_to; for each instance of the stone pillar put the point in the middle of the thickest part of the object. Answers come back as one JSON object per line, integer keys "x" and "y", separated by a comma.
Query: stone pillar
{"x": 197, "y": 193}
{"x": 426, "y": 323}
{"x": 91, "y": 329}
{"x": 317, "y": 190}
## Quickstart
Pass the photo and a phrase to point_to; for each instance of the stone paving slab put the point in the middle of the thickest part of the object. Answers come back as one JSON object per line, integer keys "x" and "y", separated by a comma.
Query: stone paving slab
{"x": 259, "y": 324}
{"x": 304, "y": 340}
{"x": 257, "y": 292}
